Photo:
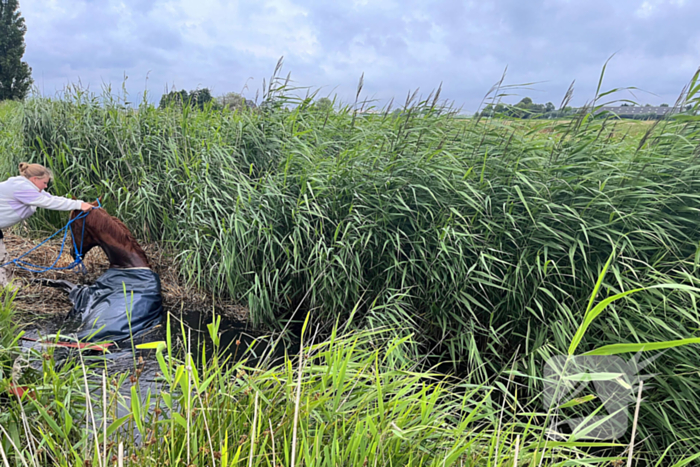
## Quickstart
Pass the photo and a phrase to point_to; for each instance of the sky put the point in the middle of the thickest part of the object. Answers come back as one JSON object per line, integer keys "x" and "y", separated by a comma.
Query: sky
{"x": 399, "y": 46}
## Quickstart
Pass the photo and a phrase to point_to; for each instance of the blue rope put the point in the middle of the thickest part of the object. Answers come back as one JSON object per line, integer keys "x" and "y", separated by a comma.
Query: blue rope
{"x": 78, "y": 253}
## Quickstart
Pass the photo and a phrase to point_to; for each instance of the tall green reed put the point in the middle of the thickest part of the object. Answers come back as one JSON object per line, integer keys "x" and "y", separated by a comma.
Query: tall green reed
{"x": 345, "y": 400}
{"x": 483, "y": 237}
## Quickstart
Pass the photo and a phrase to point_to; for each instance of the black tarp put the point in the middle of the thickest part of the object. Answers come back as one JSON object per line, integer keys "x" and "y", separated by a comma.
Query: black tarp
{"x": 120, "y": 314}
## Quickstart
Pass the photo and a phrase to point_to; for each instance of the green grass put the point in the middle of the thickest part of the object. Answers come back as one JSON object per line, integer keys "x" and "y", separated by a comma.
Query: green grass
{"x": 345, "y": 400}
{"x": 349, "y": 399}
{"x": 7, "y": 107}
{"x": 481, "y": 239}
{"x": 10, "y": 136}
{"x": 9, "y": 335}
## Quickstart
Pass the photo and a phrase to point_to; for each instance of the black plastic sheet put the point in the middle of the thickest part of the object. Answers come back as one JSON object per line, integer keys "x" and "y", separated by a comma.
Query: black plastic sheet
{"x": 120, "y": 304}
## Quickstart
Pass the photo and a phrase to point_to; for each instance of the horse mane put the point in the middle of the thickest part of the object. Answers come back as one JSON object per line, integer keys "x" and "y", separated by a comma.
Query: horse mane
{"x": 102, "y": 221}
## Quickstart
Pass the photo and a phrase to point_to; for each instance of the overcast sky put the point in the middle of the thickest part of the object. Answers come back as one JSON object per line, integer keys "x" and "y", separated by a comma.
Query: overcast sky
{"x": 399, "y": 46}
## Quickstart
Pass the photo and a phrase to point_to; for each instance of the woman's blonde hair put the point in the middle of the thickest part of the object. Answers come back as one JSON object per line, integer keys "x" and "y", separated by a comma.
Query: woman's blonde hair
{"x": 34, "y": 170}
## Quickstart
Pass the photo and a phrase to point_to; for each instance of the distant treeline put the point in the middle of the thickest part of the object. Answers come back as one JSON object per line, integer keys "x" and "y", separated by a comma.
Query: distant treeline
{"x": 524, "y": 109}
{"x": 200, "y": 98}
{"x": 527, "y": 109}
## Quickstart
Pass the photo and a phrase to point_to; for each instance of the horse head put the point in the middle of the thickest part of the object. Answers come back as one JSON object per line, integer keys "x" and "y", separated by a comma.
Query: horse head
{"x": 82, "y": 232}
{"x": 98, "y": 228}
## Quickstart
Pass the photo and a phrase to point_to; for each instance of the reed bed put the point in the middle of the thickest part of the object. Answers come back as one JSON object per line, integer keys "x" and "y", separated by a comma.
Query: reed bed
{"x": 345, "y": 400}
{"x": 481, "y": 239}
{"x": 348, "y": 399}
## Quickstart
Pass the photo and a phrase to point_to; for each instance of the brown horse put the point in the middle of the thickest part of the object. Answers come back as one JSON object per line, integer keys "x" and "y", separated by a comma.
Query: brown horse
{"x": 126, "y": 300}
{"x": 110, "y": 234}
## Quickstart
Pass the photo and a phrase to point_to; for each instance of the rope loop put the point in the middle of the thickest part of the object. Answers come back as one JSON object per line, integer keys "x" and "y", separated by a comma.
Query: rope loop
{"x": 78, "y": 252}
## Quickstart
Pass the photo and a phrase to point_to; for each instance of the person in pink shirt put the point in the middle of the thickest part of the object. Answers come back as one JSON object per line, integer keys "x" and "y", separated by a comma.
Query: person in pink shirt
{"x": 21, "y": 196}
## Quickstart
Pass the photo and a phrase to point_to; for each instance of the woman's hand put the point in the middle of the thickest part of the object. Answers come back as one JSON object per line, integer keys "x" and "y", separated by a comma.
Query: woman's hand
{"x": 86, "y": 206}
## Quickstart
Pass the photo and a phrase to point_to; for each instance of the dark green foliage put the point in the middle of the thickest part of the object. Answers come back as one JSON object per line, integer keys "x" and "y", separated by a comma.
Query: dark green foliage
{"x": 198, "y": 98}
{"x": 174, "y": 98}
{"x": 524, "y": 109}
{"x": 15, "y": 75}
{"x": 234, "y": 101}
{"x": 324, "y": 104}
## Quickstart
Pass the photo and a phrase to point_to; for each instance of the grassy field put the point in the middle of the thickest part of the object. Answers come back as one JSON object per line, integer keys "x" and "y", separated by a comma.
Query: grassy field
{"x": 619, "y": 130}
{"x": 480, "y": 242}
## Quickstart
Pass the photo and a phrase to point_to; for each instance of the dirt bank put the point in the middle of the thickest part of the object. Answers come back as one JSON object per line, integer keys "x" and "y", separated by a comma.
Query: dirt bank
{"x": 37, "y": 302}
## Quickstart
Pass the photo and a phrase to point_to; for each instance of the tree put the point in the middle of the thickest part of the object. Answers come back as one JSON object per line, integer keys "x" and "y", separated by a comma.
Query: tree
{"x": 15, "y": 75}
{"x": 490, "y": 110}
{"x": 234, "y": 101}
{"x": 524, "y": 109}
{"x": 200, "y": 97}
{"x": 324, "y": 104}
{"x": 197, "y": 98}
{"x": 663, "y": 105}
{"x": 527, "y": 109}
{"x": 177, "y": 98}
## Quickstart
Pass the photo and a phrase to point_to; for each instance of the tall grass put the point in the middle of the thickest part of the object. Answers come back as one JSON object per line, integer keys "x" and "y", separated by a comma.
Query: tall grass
{"x": 346, "y": 400}
{"x": 482, "y": 239}
{"x": 10, "y": 134}
{"x": 10, "y": 333}
{"x": 350, "y": 399}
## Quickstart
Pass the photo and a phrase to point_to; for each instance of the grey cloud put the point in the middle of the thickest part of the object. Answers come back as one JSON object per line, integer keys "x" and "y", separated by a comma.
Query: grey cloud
{"x": 96, "y": 44}
{"x": 399, "y": 46}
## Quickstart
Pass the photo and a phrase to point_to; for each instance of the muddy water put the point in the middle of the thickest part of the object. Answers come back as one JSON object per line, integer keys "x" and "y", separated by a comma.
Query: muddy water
{"x": 237, "y": 341}
{"x": 188, "y": 331}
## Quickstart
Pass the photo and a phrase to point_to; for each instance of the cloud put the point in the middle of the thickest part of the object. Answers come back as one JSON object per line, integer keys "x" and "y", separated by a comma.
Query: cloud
{"x": 649, "y": 7}
{"x": 399, "y": 45}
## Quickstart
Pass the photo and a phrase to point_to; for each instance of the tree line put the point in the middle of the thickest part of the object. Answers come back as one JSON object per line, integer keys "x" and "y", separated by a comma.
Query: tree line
{"x": 200, "y": 98}
{"x": 527, "y": 109}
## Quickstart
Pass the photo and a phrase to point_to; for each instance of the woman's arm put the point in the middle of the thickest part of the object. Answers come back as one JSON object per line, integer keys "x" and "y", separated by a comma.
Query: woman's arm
{"x": 47, "y": 201}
